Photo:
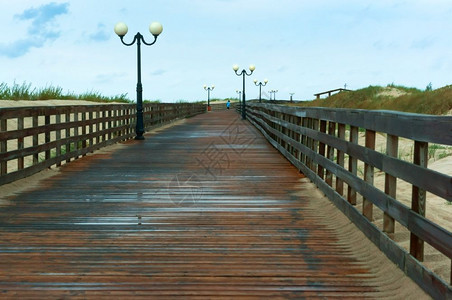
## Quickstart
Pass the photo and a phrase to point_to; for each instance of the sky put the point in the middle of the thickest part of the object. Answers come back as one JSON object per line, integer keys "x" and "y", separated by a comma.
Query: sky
{"x": 301, "y": 47}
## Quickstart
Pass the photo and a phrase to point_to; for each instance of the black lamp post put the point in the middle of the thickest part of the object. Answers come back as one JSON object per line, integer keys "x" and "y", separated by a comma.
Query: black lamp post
{"x": 208, "y": 89}
{"x": 121, "y": 30}
{"x": 240, "y": 94}
{"x": 243, "y": 73}
{"x": 260, "y": 84}
{"x": 274, "y": 94}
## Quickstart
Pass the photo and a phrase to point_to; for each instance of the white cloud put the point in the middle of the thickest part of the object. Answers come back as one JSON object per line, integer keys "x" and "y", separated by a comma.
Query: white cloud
{"x": 39, "y": 31}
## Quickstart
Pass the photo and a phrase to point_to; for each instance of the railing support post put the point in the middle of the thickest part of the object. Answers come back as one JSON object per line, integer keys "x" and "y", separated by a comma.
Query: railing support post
{"x": 352, "y": 165}
{"x": 369, "y": 174}
{"x": 340, "y": 159}
{"x": 418, "y": 199}
{"x": 322, "y": 147}
{"x": 392, "y": 145}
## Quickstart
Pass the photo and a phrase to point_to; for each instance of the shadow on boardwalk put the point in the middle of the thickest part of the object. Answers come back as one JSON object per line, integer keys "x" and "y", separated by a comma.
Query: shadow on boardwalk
{"x": 205, "y": 208}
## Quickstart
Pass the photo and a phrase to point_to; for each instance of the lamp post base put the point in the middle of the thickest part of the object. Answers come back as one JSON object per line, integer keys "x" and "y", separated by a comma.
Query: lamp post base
{"x": 139, "y": 137}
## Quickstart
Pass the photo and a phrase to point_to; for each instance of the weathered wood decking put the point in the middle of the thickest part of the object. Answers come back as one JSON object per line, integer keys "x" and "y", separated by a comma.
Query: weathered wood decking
{"x": 203, "y": 209}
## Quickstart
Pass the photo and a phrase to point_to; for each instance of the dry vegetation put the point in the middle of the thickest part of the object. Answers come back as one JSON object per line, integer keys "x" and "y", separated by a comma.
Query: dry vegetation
{"x": 399, "y": 98}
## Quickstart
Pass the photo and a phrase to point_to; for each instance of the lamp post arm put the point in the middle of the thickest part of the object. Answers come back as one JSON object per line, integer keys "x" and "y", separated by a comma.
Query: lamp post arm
{"x": 131, "y": 43}
{"x": 149, "y": 44}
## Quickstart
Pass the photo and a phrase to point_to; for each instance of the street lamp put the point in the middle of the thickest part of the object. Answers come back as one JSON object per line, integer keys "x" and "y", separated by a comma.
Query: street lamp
{"x": 121, "y": 30}
{"x": 243, "y": 73}
{"x": 260, "y": 84}
{"x": 274, "y": 94}
{"x": 240, "y": 94}
{"x": 208, "y": 89}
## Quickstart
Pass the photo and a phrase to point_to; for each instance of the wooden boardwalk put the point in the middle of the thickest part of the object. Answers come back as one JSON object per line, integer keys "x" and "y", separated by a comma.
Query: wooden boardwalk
{"x": 203, "y": 209}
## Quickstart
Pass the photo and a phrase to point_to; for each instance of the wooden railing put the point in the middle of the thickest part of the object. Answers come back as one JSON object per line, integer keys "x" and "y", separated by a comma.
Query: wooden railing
{"x": 35, "y": 138}
{"x": 329, "y": 145}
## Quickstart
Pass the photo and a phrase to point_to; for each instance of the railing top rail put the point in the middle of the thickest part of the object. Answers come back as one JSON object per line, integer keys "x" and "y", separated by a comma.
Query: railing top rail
{"x": 331, "y": 91}
{"x": 419, "y": 127}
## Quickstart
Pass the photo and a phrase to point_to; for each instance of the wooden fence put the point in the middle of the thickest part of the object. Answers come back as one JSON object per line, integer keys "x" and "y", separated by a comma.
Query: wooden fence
{"x": 35, "y": 138}
{"x": 329, "y": 145}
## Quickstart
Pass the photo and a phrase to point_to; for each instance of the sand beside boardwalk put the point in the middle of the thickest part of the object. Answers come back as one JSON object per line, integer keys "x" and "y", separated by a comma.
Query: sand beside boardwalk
{"x": 438, "y": 210}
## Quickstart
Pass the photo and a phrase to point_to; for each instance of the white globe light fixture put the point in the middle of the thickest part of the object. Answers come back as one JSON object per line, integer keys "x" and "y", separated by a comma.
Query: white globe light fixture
{"x": 121, "y": 29}
{"x": 155, "y": 28}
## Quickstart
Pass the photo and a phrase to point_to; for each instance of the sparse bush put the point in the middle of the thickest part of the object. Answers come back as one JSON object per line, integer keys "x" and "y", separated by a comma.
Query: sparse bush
{"x": 25, "y": 91}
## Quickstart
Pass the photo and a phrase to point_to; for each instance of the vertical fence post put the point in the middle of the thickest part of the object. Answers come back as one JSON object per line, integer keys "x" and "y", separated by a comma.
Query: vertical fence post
{"x": 305, "y": 142}
{"x": 76, "y": 133}
{"x": 369, "y": 174}
{"x": 322, "y": 147}
{"x": 35, "y": 123}
{"x": 20, "y": 143}
{"x": 418, "y": 199}
{"x": 68, "y": 134}
{"x": 3, "y": 147}
{"x": 315, "y": 143}
{"x": 392, "y": 145}
{"x": 91, "y": 127}
{"x": 340, "y": 159}
{"x": 84, "y": 143}
{"x": 58, "y": 138}
{"x": 352, "y": 165}
{"x": 330, "y": 153}
{"x": 292, "y": 134}
{"x": 299, "y": 121}
{"x": 47, "y": 136}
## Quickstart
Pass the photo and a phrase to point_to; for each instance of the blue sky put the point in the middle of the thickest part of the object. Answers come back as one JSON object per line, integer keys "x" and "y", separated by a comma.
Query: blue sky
{"x": 302, "y": 47}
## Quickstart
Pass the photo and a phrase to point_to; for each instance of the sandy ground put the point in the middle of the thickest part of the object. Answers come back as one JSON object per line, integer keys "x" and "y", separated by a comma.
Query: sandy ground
{"x": 391, "y": 92}
{"x": 438, "y": 210}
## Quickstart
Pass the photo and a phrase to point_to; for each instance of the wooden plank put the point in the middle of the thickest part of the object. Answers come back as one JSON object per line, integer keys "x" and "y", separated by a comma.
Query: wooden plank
{"x": 352, "y": 165}
{"x": 340, "y": 159}
{"x": 314, "y": 142}
{"x": 3, "y": 147}
{"x": 418, "y": 201}
{"x": 392, "y": 146}
{"x": 330, "y": 153}
{"x": 57, "y": 138}
{"x": 35, "y": 123}
{"x": 20, "y": 143}
{"x": 369, "y": 174}
{"x": 322, "y": 147}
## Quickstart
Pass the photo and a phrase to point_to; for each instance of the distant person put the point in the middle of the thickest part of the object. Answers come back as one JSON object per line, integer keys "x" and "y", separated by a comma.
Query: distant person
{"x": 228, "y": 104}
